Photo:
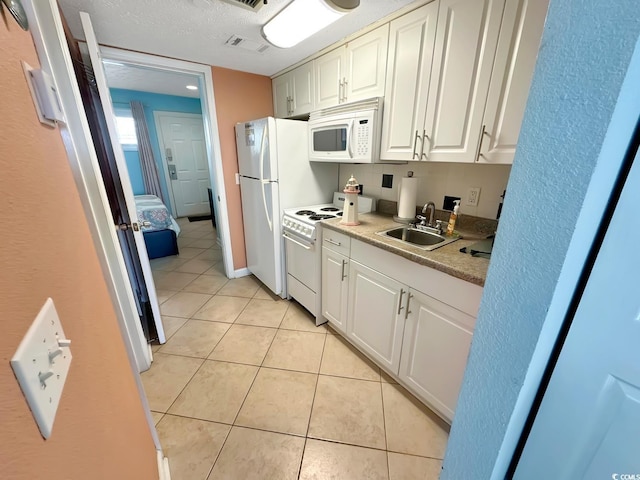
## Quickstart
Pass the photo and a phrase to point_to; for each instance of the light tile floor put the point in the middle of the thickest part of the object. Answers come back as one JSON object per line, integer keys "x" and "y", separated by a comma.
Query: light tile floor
{"x": 247, "y": 387}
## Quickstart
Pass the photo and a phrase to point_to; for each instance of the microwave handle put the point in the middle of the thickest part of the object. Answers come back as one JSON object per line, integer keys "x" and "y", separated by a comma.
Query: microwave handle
{"x": 349, "y": 135}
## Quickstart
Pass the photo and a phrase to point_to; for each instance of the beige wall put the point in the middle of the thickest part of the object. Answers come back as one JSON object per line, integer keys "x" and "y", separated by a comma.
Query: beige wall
{"x": 239, "y": 96}
{"x": 436, "y": 181}
{"x": 100, "y": 430}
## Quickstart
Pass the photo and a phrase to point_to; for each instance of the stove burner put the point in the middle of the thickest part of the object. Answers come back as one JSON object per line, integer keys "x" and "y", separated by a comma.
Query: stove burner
{"x": 339, "y": 214}
{"x": 321, "y": 217}
{"x": 305, "y": 212}
{"x": 329, "y": 209}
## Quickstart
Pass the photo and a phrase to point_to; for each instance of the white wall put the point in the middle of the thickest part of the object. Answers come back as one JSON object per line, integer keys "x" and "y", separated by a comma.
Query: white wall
{"x": 437, "y": 180}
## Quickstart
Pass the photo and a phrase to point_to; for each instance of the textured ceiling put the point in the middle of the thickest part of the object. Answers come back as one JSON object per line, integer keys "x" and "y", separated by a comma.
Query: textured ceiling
{"x": 196, "y": 30}
{"x": 151, "y": 80}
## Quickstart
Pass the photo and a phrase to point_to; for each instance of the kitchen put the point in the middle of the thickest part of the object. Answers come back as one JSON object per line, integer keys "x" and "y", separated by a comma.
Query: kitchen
{"x": 401, "y": 171}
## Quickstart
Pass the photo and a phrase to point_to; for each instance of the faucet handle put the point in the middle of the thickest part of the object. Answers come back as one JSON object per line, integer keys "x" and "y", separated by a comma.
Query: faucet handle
{"x": 422, "y": 218}
{"x": 439, "y": 225}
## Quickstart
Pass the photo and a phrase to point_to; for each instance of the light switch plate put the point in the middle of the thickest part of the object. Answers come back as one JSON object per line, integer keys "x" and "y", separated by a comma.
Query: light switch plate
{"x": 41, "y": 365}
{"x": 473, "y": 195}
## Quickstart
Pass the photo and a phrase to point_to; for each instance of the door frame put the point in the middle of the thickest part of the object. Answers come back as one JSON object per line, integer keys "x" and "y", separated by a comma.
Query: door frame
{"x": 594, "y": 210}
{"x": 211, "y": 132}
{"x": 156, "y": 117}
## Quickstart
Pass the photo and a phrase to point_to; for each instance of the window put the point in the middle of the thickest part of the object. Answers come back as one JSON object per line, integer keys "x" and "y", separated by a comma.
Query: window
{"x": 126, "y": 129}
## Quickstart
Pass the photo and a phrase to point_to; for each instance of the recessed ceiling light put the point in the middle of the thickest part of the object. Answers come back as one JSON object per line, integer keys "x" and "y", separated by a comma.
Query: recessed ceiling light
{"x": 192, "y": 87}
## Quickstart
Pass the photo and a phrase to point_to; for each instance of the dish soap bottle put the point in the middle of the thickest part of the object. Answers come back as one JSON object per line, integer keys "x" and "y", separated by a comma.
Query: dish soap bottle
{"x": 453, "y": 217}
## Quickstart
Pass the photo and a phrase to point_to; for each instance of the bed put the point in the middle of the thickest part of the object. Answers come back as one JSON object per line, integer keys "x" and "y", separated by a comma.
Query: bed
{"x": 161, "y": 233}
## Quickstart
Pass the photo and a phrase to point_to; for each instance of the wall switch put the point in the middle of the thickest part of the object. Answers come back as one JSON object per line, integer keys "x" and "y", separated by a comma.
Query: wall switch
{"x": 473, "y": 195}
{"x": 41, "y": 365}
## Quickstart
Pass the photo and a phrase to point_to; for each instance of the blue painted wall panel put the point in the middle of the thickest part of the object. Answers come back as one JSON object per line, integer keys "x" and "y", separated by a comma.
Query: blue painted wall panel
{"x": 585, "y": 52}
{"x": 154, "y": 102}
{"x": 135, "y": 171}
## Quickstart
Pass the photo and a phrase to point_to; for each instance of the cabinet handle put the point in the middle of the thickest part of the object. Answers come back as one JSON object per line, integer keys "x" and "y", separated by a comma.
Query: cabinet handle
{"x": 288, "y": 106}
{"x": 482, "y": 132}
{"x": 343, "y": 265}
{"x": 400, "y": 307}
{"x": 341, "y": 93}
{"x": 345, "y": 83}
{"x": 407, "y": 311}
{"x": 415, "y": 144}
{"x": 424, "y": 136}
{"x": 332, "y": 242}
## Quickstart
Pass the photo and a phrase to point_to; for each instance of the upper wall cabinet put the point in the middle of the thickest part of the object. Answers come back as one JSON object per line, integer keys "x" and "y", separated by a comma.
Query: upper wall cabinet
{"x": 293, "y": 92}
{"x": 354, "y": 71}
{"x": 466, "y": 39}
{"x": 520, "y": 34}
{"x": 411, "y": 41}
{"x": 483, "y": 54}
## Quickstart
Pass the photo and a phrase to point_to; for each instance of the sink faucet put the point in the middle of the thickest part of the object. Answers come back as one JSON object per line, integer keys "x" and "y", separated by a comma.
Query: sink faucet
{"x": 431, "y": 215}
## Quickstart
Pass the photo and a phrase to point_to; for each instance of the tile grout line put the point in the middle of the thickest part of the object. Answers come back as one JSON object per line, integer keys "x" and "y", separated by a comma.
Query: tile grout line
{"x": 384, "y": 425}
{"x": 313, "y": 401}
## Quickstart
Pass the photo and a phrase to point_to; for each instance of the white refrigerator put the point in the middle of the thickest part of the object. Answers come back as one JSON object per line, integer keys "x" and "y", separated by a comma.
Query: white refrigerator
{"x": 275, "y": 174}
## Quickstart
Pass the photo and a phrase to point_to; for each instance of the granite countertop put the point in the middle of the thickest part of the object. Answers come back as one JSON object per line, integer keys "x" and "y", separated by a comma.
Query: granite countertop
{"x": 447, "y": 259}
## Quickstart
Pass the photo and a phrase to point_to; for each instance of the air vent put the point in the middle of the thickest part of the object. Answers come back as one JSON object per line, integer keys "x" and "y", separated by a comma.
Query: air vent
{"x": 253, "y": 5}
{"x": 252, "y": 46}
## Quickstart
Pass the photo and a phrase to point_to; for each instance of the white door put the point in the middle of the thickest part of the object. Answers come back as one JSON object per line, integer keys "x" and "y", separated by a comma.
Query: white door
{"x": 329, "y": 70}
{"x": 411, "y": 41}
{"x": 335, "y": 288}
{"x": 184, "y": 153}
{"x": 105, "y": 99}
{"x": 282, "y": 96}
{"x": 520, "y": 34}
{"x": 463, "y": 59}
{"x": 366, "y": 65}
{"x": 302, "y": 82}
{"x": 588, "y": 422}
{"x": 376, "y": 314}
{"x": 435, "y": 334}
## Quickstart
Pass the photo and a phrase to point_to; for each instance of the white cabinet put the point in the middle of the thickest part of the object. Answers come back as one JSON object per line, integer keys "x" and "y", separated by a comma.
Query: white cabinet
{"x": 335, "y": 288}
{"x": 518, "y": 44}
{"x": 411, "y": 41}
{"x": 466, "y": 39}
{"x": 355, "y": 71}
{"x": 437, "y": 338}
{"x": 375, "y": 321}
{"x": 293, "y": 92}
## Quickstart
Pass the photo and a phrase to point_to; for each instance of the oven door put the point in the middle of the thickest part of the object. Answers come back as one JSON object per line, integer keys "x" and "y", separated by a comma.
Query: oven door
{"x": 301, "y": 260}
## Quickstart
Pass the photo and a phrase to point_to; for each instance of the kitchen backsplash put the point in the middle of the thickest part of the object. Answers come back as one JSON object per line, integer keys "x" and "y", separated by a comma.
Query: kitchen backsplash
{"x": 436, "y": 181}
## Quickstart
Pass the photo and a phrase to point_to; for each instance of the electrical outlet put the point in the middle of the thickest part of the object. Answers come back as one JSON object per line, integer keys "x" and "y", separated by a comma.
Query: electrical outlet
{"x": 473, "y": 195}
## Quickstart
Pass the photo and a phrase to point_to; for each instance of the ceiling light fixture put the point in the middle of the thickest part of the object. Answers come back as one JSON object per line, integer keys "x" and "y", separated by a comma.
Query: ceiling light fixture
{"x": 191, "y": 87}
{"x": 302, "y": 18}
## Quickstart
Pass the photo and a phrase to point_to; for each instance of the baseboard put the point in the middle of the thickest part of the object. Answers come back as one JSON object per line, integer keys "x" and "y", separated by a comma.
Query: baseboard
{"x": 163, "y": 467}
{"x": 241, "y": 272}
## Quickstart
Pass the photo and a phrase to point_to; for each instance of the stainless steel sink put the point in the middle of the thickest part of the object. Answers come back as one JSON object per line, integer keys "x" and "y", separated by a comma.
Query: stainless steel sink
{"x": 418, "y": 238}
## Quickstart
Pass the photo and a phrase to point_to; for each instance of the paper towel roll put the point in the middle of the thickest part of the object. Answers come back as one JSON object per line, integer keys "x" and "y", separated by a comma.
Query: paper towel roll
{"x": 407, "y": 198}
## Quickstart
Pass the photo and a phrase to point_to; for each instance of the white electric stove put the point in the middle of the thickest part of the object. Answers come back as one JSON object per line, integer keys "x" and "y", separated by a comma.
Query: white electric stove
{"x": 301, "y": 227}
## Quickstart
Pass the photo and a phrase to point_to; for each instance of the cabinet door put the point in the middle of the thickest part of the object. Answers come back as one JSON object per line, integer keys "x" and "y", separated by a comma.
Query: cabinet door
{"x": 411, "y": 41}
{"x": 375, "y": 321}
{"x": 335, "y": 288}
{"x": 329, "y": 71}
{"x": 302, "y": 85}
{"x": 520, "y": 34}
{"x": 463, "y": 58}
{"x": 281, "y": 96}
{"x": 435, "y": 347}
{"x": 366, "y": 65}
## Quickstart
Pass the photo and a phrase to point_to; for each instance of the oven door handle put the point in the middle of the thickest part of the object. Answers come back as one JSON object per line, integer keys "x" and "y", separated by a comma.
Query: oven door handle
{"x": 291, "y": 239}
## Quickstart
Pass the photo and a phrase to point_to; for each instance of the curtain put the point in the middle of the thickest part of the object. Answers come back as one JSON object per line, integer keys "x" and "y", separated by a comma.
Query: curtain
{"x": 147, "y": 161}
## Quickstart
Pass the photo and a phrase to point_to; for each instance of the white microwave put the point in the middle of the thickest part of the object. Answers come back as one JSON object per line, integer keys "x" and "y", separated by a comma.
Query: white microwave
{"x": 348, "y": 133}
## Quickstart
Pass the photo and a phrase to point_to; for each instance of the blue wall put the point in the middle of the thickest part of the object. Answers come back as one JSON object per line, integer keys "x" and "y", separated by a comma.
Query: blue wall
{"x": 152, "y": 102}
{"x": 585, "y": 52}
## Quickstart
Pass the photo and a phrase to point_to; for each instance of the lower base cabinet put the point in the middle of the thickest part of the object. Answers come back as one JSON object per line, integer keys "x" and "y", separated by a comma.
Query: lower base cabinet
{"x": 435, "y": 348}
{"x": 375, "y": 321}
{"x": 417, "y": 338}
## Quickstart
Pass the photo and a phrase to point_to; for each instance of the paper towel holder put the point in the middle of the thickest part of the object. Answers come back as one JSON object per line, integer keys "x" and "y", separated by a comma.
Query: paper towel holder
{"x": 397, "y": 218}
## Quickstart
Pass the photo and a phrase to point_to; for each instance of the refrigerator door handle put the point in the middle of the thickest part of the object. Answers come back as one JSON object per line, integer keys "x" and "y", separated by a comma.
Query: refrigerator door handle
{"x": 263, "y": 182}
